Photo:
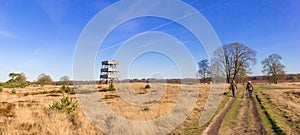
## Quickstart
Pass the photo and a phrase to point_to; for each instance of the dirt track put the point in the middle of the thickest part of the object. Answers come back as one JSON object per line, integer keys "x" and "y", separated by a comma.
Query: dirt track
{"x": 248, "y": 120}
{"x": 216, "y": 124}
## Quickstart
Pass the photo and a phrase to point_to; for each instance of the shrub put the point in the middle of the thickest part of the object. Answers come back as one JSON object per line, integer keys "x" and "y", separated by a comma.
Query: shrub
{"x": 69, "y": 90}
{"x": 23, "y": 85}
{"x": 65, "y": 105}
{"x": 147, "y": 86}
{"x": 63, "y": 87}
{"x": 1, "y": 89}
{"x": 16, "y": 85}
{"x": 45, "y": 92}
{"x": 66, "y": 89}
{"x": 294, "y": 79}
{"x": 34, "y": 85}
{"x": 14, "y": 91}
{"x": 53, "y": 91}
{"x": 111, "y": 87}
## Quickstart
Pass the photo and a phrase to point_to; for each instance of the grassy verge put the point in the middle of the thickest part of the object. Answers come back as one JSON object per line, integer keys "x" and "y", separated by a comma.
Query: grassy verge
{"x": 273, "y": 118}
{"x": 230, "y": 121}
{"x": 193, "y": 127}
{"x": 267, "y": 120}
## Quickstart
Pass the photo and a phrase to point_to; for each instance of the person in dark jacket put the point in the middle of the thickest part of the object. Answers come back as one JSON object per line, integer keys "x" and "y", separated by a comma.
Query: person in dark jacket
{"x": 233, "y": 88}
{"x": 249, "y": 88}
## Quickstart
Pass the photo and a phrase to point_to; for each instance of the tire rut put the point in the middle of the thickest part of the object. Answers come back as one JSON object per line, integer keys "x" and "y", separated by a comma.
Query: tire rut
{"x": 257, "y": 118}
{"x": 245, "y": 126}
{"x": 213, "y": 129}
{"x": 249, "y": 111}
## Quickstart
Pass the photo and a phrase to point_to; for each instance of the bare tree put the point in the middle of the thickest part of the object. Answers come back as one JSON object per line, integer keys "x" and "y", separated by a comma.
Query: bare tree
{"x": 294, "y": 79}
{"x": 44, "y": 79}
{"x": 272, "y": 68}
{"x": 217, "y": 71}
{"x": 65, "y": 80}
{"x": 243, "y": 74}
{"x": 235, "y": 57}
{"x": 204, "y": 69}
{"x": 221, "y": 62}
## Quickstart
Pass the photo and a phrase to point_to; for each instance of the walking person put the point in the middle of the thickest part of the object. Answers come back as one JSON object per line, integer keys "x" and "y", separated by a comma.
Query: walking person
{"x": 233, "y": 87}
{"x": 249, "y": 88}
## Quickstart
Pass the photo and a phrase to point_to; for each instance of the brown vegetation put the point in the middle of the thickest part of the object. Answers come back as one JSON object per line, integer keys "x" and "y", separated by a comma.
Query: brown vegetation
{"x": 27, "y": 111}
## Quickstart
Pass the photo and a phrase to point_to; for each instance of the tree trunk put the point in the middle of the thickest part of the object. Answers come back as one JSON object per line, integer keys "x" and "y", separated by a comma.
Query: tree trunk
{"x": 233, "y": 78}
{"x": 228, "y": 78}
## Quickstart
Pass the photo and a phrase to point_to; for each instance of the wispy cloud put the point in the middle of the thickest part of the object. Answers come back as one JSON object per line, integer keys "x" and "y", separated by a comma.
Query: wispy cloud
{"x": 147, "y": 8}
{"x": 6, "y": 34}
{"x": 54, "y": 9}
{"x": 136, "y": 25}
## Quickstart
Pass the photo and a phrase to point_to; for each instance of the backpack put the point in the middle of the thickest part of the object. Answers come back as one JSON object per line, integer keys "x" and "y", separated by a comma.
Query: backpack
{"x": 249, "y": 87}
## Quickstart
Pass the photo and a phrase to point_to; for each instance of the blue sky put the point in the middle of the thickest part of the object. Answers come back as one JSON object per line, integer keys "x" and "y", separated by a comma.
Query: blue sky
{"x": 39, "y": 36}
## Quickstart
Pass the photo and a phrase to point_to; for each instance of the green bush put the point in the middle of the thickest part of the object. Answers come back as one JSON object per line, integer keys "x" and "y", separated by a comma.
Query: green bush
{"x": 34, "y": 85}
{"x": 64, "y": 105}
{"x": 14, "y": 91}
{"x": 147, "y": 86}
{"x": 45, "y": 92}
{"x": 53, "y": 91}
{"x": 16, "y": 85}
{"x": 111, "y": 87}
{"x": 1, "y": 89}
{"x": 66, "y": 89}
{"x": 63, "y": 87}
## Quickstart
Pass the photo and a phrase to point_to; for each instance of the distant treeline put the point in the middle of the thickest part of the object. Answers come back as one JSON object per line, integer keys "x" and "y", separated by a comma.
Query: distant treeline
{"x": 287, "y": 78}
{"x": 179, "y": 81}
{"x": 255, "y": 79}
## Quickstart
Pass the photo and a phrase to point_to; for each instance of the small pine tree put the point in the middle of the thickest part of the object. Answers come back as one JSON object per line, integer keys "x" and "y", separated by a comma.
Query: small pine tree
{"x": 14, "y": 91}
{"x": 66, "y": 89}
{"x": 111, "y": 87}
{"x": 66, "y": 105}
{"x": 147, "y": 86}
{"x": 45, "y": 92}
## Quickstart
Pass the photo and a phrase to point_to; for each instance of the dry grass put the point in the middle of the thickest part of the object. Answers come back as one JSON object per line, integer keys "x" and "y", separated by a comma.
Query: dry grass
{"x": 287, "y": 103}
{"x": 295, "y": 85}
{"x": 27, "y": 111}
{"x": 141, "y": 113}
{"x": 282, "y": 105}
{"x": 191, "y": 124}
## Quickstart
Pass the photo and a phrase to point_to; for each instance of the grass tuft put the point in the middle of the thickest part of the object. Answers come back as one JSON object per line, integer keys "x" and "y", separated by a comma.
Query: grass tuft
{"x": 14, "y": 91}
